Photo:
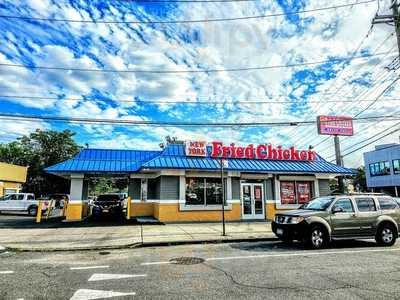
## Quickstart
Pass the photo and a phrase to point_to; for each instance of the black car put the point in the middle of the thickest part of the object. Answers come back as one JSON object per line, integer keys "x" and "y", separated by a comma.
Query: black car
{"x": 107, "y": 203}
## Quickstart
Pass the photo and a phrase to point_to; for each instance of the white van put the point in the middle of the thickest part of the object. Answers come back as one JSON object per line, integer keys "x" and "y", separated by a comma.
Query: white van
{"x": 21, "y": 202}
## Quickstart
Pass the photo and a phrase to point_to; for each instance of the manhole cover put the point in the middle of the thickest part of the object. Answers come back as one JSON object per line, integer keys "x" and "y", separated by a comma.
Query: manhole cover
{"x": 186, "y": 260}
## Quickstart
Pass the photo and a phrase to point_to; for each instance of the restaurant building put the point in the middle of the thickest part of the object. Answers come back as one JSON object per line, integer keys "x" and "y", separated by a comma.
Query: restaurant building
{"x": 182, "y": 182}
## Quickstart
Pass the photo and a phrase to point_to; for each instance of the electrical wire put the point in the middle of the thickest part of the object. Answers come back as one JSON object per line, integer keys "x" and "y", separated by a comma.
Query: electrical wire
{"x": 98, "y": 21}
{"x": 198, "y": 102}
{"x": 8, "y": 116}
{"x": 332, "y": 60}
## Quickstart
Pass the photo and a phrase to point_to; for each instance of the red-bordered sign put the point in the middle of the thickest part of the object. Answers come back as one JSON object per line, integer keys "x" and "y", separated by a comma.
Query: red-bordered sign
{"x": 335, "y": 125}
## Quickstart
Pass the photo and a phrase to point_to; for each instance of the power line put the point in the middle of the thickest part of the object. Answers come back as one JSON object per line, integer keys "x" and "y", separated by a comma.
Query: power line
{"x": 27, "y": 98}
{"x": 24, "y": 117}
{"x": 98, "y": 21}
{"x": 362, "y": 147}
{"x": 332, "y": 60}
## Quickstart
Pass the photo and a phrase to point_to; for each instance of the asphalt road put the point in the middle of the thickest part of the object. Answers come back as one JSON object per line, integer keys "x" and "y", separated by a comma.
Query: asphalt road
{"x": 263, "y": 270}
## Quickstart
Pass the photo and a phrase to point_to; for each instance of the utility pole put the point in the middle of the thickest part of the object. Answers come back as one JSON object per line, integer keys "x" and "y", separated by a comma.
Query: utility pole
{"x": 391, "y": 20}
{"x": 223, "y": 196}
{"x": 339, "y": 162}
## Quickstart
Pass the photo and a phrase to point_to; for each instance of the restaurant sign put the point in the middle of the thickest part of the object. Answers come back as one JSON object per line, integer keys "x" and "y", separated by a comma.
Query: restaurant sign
{"x": 261, "y": 151}
{"x": 335, "y": 125}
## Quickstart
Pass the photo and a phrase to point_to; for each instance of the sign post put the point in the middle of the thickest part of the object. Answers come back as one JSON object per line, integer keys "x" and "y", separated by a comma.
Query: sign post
{"x": 223, "y": 162}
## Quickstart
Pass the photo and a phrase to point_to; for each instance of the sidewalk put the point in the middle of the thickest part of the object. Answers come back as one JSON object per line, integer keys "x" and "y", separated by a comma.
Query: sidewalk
{"x": 114, "y": 237}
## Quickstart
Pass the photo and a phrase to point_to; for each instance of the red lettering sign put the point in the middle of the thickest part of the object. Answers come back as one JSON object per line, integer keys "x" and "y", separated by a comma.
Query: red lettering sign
{"x": 262, "y": 151}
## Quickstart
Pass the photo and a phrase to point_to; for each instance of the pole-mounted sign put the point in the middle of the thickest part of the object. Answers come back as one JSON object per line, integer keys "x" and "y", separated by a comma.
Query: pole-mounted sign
{"x": 335, "y": 125}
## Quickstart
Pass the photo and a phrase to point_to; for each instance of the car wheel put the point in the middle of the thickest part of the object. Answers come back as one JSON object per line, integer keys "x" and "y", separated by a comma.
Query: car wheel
{"x": 386, "y": 235}
{"x": 32, "y": 211}
{"x": 317, "y": 237}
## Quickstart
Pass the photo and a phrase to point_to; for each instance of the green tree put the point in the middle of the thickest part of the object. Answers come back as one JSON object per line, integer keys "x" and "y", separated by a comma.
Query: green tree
{"x": 359, "y": 180}
{"x": 39, "y": 150}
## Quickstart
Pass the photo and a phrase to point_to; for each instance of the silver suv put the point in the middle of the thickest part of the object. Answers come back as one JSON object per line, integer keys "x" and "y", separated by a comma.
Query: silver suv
{"x": 351, "y": 216}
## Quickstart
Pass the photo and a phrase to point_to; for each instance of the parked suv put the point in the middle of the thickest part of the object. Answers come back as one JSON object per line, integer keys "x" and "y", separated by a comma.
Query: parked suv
{"x": 352, "y": 216}
{"x": 21, "y": 202}
{"x": 107, "y": 203}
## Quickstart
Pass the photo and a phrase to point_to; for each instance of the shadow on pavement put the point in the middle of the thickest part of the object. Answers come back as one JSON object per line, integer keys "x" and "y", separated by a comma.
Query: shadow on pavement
{"x": 266, "y": 246}
{"x": 24, "y": 221}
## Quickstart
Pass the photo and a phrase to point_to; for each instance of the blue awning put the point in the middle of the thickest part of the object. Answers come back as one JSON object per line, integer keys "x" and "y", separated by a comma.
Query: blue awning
{"x": 173, "y": 157}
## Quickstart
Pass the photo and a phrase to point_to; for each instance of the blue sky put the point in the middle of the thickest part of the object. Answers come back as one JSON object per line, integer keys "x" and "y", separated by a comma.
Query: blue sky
{"x": 303, "y": 91}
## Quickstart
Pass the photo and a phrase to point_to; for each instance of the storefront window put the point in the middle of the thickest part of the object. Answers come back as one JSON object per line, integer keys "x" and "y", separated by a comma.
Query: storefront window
{"x": 396, "y": 166}
{"x": 379, "y": 168}
{"x": 296, "y": 192}
{"x": 203, "y": 191}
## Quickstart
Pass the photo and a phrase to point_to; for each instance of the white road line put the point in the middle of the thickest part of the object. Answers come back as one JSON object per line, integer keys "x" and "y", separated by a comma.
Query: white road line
{"x": 89, "y": 267}
{"x": 86, "y": 294}
{"x": 294, "y": 254}
{"x": 6, "y": 272}
{"x": 102, "y": 276}
{"x": 155, "y": 263}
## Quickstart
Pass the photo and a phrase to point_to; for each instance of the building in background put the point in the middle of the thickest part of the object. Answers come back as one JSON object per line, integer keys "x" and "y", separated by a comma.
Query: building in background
{"x": 11, "y": 178}
{"x": 182, "y": 182}
{"x": 382, "y": 169}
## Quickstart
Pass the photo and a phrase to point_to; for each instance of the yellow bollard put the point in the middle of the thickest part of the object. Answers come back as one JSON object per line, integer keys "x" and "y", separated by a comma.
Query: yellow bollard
{"x": 128, "y": 208}
{"x": 39, "y": 212}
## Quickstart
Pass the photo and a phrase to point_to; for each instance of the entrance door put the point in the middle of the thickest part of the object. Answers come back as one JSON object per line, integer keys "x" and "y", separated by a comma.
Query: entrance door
{"x": 252, "y": 197}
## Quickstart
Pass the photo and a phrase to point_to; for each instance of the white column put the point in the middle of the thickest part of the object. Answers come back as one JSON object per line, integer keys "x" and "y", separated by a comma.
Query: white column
{"x": 228, "y": 189}
{"x": 316, "y": 187}
{"x": 76, "y": 191}
{"x": 182, "y": 189}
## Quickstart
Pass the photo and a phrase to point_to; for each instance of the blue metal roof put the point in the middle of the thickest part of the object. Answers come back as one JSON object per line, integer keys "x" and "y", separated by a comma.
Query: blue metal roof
{"x": 173, "y": 157}
{"x": 103, "y": 160}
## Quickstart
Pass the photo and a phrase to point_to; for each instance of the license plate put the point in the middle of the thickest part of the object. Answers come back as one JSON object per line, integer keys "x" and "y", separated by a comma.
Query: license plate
{"x": 279, "y": 231}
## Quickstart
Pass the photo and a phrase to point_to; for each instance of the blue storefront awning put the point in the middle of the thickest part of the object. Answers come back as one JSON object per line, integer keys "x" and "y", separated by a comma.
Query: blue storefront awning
{"x": 174, "y": 157}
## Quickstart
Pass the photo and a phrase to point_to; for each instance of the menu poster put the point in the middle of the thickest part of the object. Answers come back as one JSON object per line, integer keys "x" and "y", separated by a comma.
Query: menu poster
{"x": 303, "y": 192}
{"x": 287, "y": 193}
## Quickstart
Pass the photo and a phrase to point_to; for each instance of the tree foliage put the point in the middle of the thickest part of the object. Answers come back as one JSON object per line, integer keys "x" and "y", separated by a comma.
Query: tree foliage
{"x": 39, "y": 150}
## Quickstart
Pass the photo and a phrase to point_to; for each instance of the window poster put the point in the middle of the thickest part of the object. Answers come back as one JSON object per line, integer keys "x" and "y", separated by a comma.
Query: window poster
{"x": 303, "y": 192}
{"x": 287, "y": 193}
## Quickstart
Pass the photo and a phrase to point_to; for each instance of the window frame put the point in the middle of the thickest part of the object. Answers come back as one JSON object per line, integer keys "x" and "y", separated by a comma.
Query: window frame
{"x": 344, "y": 212}
{"x": 396, "y": 171}
{"x": 379, "y": 168}
{"x": 363, "y": 198}
{"x": 295, "y": 183}
{"x": 387, "y": 198}
{"x": 216, "y": 180}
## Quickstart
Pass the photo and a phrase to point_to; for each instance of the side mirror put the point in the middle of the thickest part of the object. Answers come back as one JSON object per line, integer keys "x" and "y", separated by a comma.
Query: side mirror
{"x": 337, "y": 209}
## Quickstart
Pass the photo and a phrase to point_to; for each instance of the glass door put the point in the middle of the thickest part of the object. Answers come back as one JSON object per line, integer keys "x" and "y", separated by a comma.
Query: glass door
{"x": 247, "y": 207}
{"x": 252, "y": 196}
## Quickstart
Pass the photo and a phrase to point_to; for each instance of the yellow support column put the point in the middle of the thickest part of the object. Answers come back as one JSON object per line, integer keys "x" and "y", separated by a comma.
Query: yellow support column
{"x": 128, "y": 208}
{"x": 39, "y": 212}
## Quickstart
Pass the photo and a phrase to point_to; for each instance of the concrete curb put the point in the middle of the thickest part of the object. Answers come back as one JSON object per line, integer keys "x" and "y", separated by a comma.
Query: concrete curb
{"x": 139, "y": 245}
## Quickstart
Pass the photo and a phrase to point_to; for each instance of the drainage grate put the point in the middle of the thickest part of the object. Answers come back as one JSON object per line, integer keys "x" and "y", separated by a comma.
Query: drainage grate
{"x": 186, "y": 260}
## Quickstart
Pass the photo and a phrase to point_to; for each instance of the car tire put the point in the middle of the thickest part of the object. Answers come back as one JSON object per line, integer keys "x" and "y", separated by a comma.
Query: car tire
{"x": 32, "y": 211}
{"x": 386, "y": 235}
{"x": 317, "y": 237}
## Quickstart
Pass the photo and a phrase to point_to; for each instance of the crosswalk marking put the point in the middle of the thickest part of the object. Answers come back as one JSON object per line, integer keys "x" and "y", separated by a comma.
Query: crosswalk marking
{"x": 6, "y": 272}
{"x": 102, "y": 276}
{"x": 86, "y": 294}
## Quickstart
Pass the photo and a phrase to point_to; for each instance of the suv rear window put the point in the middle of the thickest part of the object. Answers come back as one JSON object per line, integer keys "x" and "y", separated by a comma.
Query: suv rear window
{"x": 365, "y": 204}
{"x": 108, "y": 198}
{"x": 387, "y": 203}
